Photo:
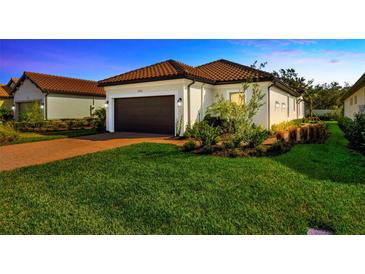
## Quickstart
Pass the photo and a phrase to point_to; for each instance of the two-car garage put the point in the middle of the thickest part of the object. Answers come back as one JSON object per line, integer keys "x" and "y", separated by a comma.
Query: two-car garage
{"x": 154, "y": 114}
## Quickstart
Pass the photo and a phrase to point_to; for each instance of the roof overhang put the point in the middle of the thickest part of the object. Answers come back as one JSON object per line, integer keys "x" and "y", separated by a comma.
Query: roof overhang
{"x": 283, "y": 86}
{"x": 172, "y": 77}
{"x": 360, "y": 83}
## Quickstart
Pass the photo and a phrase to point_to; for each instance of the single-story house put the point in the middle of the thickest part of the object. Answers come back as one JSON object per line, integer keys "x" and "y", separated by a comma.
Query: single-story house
{"x": 59, "y": 97}
{"x": 167, "y": 96}
{"x": 6, "y": 93}
{"x": 354, "y": 99}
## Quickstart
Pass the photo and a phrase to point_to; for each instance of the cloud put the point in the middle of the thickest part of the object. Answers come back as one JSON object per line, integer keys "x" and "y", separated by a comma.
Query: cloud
{"x": 334, "y": 61}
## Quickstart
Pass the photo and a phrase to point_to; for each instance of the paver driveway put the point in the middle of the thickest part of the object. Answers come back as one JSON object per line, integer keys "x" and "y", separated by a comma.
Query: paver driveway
{"x": 28, "y": 154}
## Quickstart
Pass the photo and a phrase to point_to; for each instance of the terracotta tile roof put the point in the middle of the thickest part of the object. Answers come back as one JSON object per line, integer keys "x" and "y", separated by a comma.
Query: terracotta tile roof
{"x": 217, "y": 72}
{"x": 224, "y": 71}
{"x": 169, "y": 69}
{"x": 5, "y": 91}
{"x": 63, "y": 85}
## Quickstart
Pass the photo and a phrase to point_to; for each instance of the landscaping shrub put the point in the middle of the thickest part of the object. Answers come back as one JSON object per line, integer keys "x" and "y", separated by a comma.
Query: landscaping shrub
{"x": 7, "y": 134}
{"x": 285, "y": 126}
{"x": 5, "y": 114}
{"x": 234, "y": 152}
{"x": 56, "y": 125}
{"x": 354, "y": 130}
{"x": 34, "y": 115}
{"x": 100, "y": 119}
{"x": 278, "y": 148}
{"x": 261, "y": 150}
{"x": 229, "y": 144}
{"x": 190, "y": 145}
{"x": 204, "y": 133}
{"x": 251, "y": 136}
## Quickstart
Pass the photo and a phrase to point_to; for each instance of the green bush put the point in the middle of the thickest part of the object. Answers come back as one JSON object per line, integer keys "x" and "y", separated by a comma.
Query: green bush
{"x": 100, "y": 119}
{"x": 8, "y": 134}
{"x": 229, "y": 144}
{"x": 204, "y": 133}
{"x": 34, "y": 115}
{"x": 235, "y": 152}
{"x": 5, "y": 114}
{"x": 189, "y": 146}
{"x": 278, "y": 148}
{"x": 250, "y": 136}
{"x": 354, "y": 130}
{"x": 285, "y": 126}
{"x": 261, "y": 150}
{"x": 56, "y": 125}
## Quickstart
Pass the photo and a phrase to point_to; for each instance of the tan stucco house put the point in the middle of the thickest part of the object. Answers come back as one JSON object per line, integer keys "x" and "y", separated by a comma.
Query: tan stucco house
{"x": 167, "y": 96}
{"x": 354, "y": 99}
{"x": 6, "y": 93}
{"x": 59, "y": 97}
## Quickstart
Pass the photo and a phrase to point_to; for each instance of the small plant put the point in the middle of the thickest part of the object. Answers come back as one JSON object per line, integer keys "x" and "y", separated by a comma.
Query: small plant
{"x": 235, "y": 152}
{"x": 204, "y": 133}
{"x": 261, "y": 150}
{"x": 189, "y": 146}
{"x": 100, "y": 119}
{"x": 33, "y": 115}
{"x": 8, "y": 134}
{"x": 278, "y": 148}
{"x": 5, "y": 114}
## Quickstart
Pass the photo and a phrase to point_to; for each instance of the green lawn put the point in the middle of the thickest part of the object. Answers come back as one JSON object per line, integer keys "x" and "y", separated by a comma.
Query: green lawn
{"x": 26, "y": 137}
{"x": 156, "y": 189}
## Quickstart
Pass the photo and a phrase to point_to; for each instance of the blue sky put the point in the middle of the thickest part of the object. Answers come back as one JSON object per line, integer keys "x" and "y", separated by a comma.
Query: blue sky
{"x": 321, "y": 60}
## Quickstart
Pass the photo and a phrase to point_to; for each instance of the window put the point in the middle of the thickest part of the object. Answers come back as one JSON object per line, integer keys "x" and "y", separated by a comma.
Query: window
{"x": 237, "y": 97}
{"x": 294, "y": 103}
{"x": 277, "y": 105}
{"x": 355, "y": 100}
{"x": 283, "y": 106}
{"x": 351, "y": 101}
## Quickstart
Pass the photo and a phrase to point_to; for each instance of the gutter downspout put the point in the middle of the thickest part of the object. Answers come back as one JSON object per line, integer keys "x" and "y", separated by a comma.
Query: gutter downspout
{"x": 189, "y": 111}
{"x": 269, "y": 106}
{"x": 45, "y": 106}
{"x": 201, "y": 102}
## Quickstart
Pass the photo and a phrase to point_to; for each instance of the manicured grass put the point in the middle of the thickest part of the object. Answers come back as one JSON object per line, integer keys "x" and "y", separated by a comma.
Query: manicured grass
{"x": 26, "y": 137}
{"x": 156, "y": 189}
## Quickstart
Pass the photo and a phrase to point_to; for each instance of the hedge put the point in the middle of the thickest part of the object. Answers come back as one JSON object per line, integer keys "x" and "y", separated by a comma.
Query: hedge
{"x": 56, "y": 125}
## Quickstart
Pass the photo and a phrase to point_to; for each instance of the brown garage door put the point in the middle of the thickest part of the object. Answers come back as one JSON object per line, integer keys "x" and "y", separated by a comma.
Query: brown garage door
{"x": 145, "y": 114}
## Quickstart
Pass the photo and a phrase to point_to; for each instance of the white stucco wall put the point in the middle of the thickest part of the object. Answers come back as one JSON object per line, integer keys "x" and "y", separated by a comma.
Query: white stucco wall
{"x": 350, "y": 110}
{"x": 60, "y": 106}
{"x": 26, "y": 92}
{"x": 279, "y": 113}
{"x": 225, "y": 91}
{"x": 201, "y": 97}
{"x": 178, "y": 88}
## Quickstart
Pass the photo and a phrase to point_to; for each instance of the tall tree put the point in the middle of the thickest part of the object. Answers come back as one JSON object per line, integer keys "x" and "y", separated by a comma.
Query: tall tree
{"x": 300, "y": 84}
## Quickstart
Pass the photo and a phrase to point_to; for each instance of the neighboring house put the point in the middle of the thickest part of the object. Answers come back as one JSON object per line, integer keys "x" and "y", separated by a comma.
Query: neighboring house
{"x": 354, "y": 99}
{"x": 165, "y": 96}
{"x": 59, "y": 97}
{"x": 6, "y": 96}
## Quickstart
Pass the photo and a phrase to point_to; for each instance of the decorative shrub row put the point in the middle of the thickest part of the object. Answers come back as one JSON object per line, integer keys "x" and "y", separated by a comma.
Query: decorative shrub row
{"x": 306, "y": 133}
{"x": 56, "y": 125}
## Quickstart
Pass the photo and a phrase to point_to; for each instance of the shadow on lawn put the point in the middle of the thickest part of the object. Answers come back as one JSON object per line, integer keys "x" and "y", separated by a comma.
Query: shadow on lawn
{"x": 332, "y": 161}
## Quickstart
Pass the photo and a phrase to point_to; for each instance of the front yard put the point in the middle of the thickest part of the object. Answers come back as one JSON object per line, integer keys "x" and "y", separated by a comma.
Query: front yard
{"x": 157, "y": 189}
